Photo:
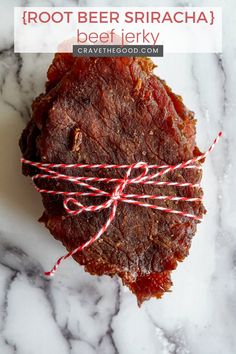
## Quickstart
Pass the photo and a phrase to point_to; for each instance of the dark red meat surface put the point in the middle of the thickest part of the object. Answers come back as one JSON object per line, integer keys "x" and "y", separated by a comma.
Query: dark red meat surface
{"x": 115, "y": 110}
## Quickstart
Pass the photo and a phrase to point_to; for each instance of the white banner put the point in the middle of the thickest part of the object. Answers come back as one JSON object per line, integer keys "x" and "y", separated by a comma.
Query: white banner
{"x": 178, "y": 29}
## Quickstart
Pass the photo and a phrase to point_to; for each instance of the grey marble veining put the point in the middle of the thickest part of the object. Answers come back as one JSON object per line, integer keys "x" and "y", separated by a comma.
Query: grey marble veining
{"x": 78, "y": 313}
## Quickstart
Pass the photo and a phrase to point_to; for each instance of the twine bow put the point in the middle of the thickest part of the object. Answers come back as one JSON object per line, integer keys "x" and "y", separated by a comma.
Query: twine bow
{"x": 73, "y": 207}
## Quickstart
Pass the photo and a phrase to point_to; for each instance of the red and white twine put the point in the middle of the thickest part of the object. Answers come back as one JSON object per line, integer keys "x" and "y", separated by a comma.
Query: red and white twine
{"x": 117, "y": 195}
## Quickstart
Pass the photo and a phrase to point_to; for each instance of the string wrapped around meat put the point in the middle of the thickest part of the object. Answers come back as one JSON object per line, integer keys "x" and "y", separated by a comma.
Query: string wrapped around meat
{"x": 116, "y": 111}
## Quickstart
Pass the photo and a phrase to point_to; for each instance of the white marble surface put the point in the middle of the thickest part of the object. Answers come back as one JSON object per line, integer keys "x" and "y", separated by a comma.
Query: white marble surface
{"x": 78, "y": 313}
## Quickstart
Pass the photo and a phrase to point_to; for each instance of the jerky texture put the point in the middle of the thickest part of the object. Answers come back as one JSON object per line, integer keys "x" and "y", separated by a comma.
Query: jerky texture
{"x": 115, "y": 110}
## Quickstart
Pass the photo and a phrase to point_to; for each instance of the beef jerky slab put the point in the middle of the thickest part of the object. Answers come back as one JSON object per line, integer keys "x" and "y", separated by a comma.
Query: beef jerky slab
{"x": 116, "y": 111}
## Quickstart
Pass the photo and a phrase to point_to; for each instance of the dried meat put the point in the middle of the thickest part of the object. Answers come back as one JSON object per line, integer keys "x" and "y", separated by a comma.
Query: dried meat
{"x": 116, "y": 111}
